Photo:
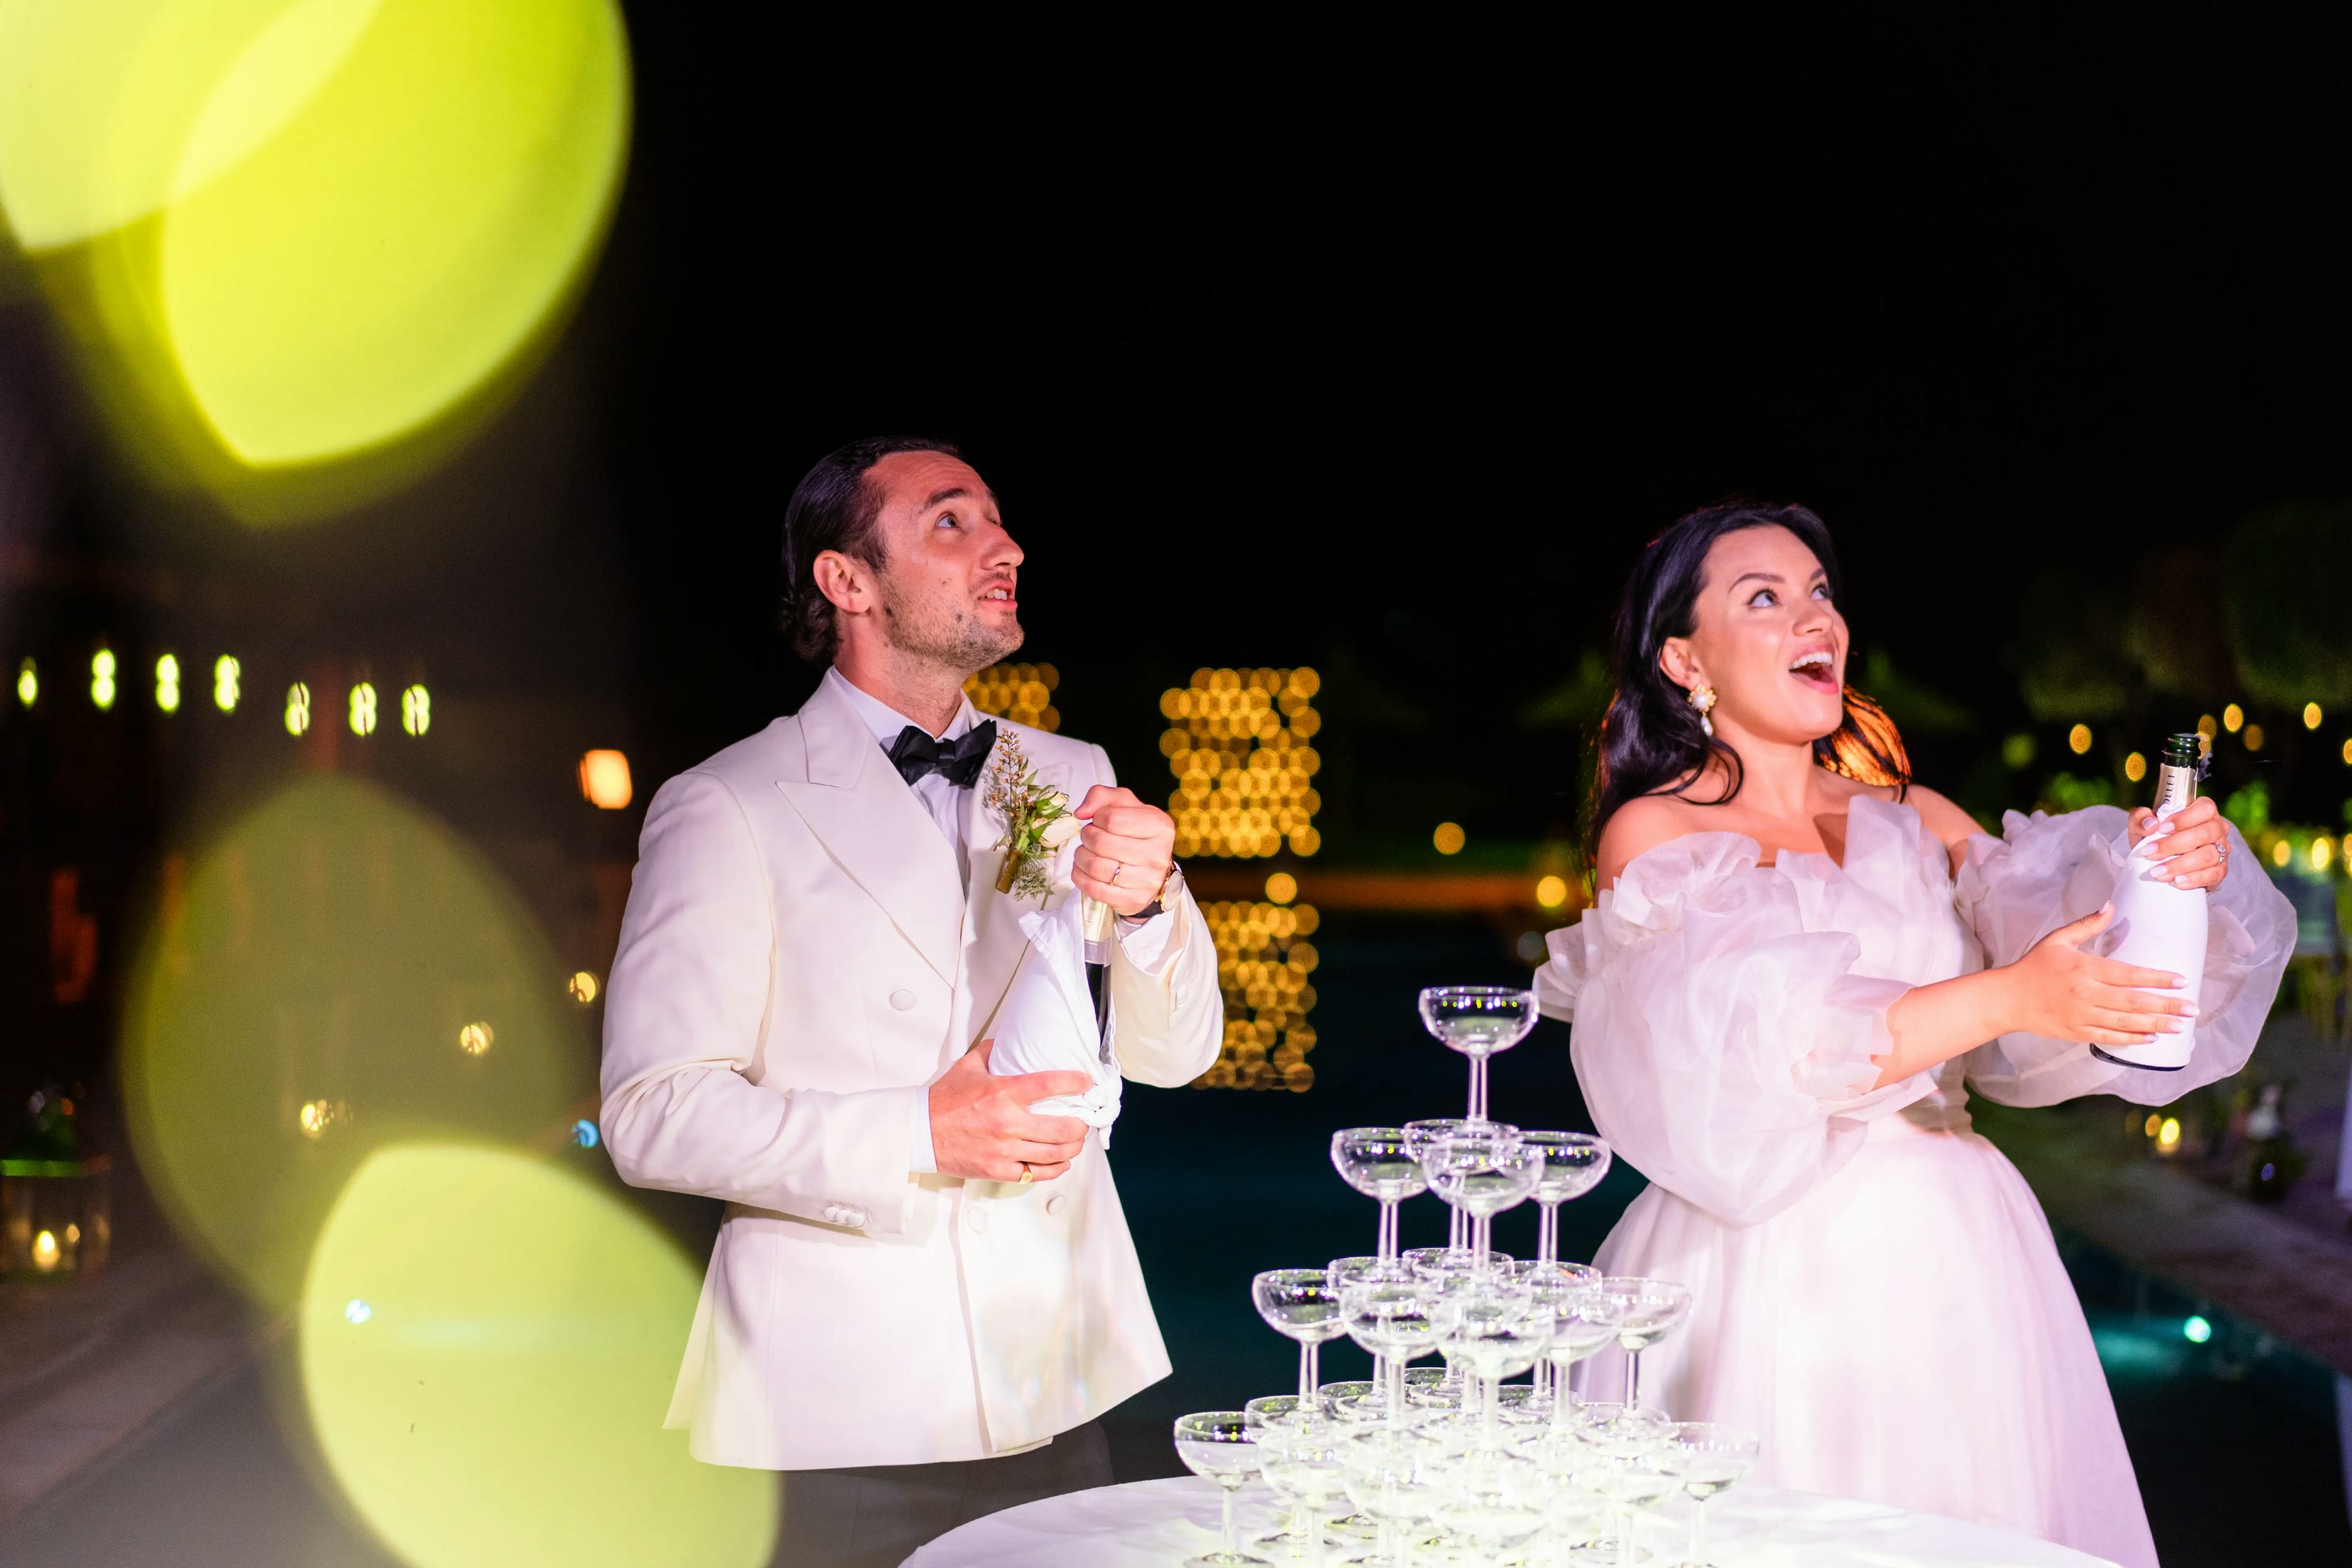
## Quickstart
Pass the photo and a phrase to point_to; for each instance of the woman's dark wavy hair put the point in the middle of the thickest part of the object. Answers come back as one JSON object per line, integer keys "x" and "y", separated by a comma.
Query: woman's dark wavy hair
{"x": 1651, "y": 742}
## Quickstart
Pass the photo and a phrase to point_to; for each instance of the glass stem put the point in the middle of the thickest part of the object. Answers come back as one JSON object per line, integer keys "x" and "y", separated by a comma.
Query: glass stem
{"x": 1490, "y": 1417}
{"x": 1560, "y": 1403}
{"x": 1386, "y": 1246}
{"x": 1698, "y": 1535}
{"x": 1478, "y": 1247}
{"x": 1309, "y": 1360}
{"x": 1458, "y": 1229}
{"x": 1548, "y": 1235}
{"x": 1233, "y": 1536}
{"x": 1624, "y": 1537}
{"x": 1633, "y": 1380}
{"x": 1477, "y": 1089}
{"x": 1396, "y": 1389}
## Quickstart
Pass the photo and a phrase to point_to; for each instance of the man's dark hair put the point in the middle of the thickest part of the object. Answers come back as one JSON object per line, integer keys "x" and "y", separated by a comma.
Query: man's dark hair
{"x": 833, "y": 508}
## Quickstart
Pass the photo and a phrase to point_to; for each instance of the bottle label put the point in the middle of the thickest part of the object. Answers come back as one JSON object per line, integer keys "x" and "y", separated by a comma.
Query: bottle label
{"x": 2175, "y": 788}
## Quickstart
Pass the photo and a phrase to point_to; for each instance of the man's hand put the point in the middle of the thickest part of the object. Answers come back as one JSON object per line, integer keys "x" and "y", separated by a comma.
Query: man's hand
{"x": 981, "y": 1129}
{"x": 1125, "y": 849}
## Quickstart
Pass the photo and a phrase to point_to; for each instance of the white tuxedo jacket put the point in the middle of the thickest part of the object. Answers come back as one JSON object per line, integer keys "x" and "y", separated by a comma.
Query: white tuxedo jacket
{"x": 798, "y": 963}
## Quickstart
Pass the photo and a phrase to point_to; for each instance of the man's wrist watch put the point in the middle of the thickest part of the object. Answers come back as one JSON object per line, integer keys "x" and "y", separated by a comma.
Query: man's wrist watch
{"x": 1170, "y": 887}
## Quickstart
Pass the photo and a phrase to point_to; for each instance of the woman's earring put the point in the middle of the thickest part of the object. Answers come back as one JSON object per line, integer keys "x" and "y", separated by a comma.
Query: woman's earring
{"x": 1703, "y": 699}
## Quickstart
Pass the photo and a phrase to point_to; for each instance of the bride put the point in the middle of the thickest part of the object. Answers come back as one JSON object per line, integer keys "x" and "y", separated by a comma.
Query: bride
{"x": 1799, "y": 966}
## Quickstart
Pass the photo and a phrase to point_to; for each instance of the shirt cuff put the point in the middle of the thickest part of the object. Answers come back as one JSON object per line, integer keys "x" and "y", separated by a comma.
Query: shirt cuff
{"x": 1145, "y": 945}
{"x": 920, "y": 1158}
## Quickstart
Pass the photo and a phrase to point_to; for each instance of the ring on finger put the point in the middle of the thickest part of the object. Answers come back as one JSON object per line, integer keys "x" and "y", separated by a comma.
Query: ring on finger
{"x": 1116, "y": 868}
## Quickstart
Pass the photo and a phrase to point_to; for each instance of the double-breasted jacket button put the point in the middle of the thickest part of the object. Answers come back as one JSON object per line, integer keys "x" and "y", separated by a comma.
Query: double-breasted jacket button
{"x": 902, "y": 999}
{"x": 1056, "y": 1204}
{"x": 975, "y": 1219}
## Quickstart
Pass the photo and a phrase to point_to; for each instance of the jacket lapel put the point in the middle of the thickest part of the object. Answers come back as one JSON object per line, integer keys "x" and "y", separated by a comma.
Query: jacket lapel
{"x": 876, "y": 830}
{"x": 993, "y": 942}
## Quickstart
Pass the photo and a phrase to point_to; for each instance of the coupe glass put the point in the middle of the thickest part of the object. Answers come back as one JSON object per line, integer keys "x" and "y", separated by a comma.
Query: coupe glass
{"x": 1417, "y": 1136}
{"x": 1584, "y": 1322}
{"x": 1301, "y": 1463}
{"x": 1445, "y": 1267}
{"x": 1392, "y": 1479}
{"x": 1496, "y": 1330}
{"x": 1482, "y": 1172}
{"x": 1397, "y": 1320}
{"x": 1574, "y": 1163}
{"x": 1491, "y": 1501}
{"x": 1380, "y": 1162}
{"x": 1304, "y": 1304}
{"x": 1554, "y": 1285}
{"x": 1479, "y": 1021}
{"x": 1636, "y": 1485}
{"x": 1223, "y": 1445}
{"x": 1707, "y": 1459}
{"x": 1624, "y": 1437}
{"x": 1654, "y": 1309}
{"x": 1344, "y": 1272}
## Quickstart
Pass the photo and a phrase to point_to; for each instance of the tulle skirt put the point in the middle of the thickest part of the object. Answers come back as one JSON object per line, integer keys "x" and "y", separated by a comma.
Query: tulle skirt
{"x": 1904, "y": 1333}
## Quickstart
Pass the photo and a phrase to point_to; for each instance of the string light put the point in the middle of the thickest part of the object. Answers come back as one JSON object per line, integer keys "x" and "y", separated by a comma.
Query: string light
{"x": 604, "y": 780}
{"x": 29, "y": 688}
{"x": 1449, "y": 838}
{"x": 298, "y": 709}
{"x": 2232, "y": 717}
{"x": 1021, "y": 692}
{"x": 2135, "y": 767}
{"x": 2078, "y": 739}
{"x": 2311, "y": 715}
{"x": 363, "y": 709}
{"x": 416, "y": 709}
{"x": 167, "y": 683}
{"x": 227, "y": 674}
{"x": 101, "y": 678}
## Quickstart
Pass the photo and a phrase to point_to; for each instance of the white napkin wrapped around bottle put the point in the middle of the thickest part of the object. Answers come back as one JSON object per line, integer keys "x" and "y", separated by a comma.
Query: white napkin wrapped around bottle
{"x": 1047, "y": 1021}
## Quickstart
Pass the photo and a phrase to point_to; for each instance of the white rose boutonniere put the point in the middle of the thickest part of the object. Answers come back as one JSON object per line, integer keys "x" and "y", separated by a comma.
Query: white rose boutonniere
{"x": 1037, "y": 820}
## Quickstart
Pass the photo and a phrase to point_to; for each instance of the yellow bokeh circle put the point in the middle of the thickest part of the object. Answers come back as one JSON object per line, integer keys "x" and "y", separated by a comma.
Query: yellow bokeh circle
{"x": 487, "y": 1345}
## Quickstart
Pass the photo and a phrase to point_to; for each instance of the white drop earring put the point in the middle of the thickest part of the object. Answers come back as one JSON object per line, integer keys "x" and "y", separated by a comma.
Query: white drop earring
{"x": 1702, "y": 698}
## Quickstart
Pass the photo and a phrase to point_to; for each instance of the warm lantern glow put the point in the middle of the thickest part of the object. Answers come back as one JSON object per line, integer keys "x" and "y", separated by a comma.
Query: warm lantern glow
{"x": 1449, "y": 838}
{"x": 2135, "y": 767}
{"x": 604, "y": 780}
{"x": 1021, "y": 692}
{"x": 1236, "y": 745}
{"x": 2168, "y": 1137}
{"x": 2253, "y": 737}
{"x": 2233, "y": 718}
{"x": 45, "y": 1252}
{"x": 1281, "y": 887}
{"x": 2281, "y": 853}
{"x": 2311, "y": 715}
{"x": 582, "y": 988}
{"x": 1552, "y": 891}
{"x": 2078, "y": 739}
{"x": 2323, "y": 851}
{"x": 475, "y": 1039}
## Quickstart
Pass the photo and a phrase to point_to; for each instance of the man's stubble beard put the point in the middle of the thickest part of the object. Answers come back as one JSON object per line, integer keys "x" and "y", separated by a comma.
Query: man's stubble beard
{"x": 962, "y": 643}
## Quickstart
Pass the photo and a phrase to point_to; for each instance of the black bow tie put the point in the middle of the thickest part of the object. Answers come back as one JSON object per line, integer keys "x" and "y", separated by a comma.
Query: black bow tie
{"x": 916, "y": 755}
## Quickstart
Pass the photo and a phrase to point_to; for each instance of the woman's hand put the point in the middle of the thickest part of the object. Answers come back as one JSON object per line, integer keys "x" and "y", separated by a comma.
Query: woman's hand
{"x": 2061, "y": 992}
{"x": 2195, "y": 852}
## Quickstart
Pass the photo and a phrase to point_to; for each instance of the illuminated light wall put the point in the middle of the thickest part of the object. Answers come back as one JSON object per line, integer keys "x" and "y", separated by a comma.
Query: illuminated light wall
{"x": 487, "y": 1346}
{"x": 1239, "y": 752}
{"x": 1263, "y": 960}
{"x": 340, "y": 970}
{"x": 1021, "y": 692}
{"x": 311, "y": 243}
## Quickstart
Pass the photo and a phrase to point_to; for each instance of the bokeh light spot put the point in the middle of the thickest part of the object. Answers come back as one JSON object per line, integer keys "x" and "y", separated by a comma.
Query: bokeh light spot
{"x": 582, "y": 988}
{"x": 585, "y": 1133}
{"x": 475, "y": 1039}
{"x": 1552, "y": 891}
{"x": 604, "y": 780}
{"x": 1281, "y": 887}
{"x": 360, "y": 269}
{"x": 28, "y": 684}
{"x": 101, "y": 678}
{"x": 2196, "y": 1330}
{"x": 1449, "y": 838}
{"x": 356, "y": 1311}
{"x": 362, "y": 707}
{"x": 2078, "y": 739}
{"x": 416, "y": 709}
{"x": 2136, "y": 767}
{"x": 298, "y": 709}
{"x": 297, "y": 1005}
{"x": 505, "y": 1403}
{"x": 226, "y": 672}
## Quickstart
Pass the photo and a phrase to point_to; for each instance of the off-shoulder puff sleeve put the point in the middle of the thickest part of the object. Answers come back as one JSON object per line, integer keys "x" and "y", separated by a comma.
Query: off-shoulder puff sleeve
{"x": 1723, "y": 1047}
{"x": 2044, "y": 871}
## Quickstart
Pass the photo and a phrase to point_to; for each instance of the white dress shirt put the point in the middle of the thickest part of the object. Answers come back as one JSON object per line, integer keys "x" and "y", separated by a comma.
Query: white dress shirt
{"x": 1143, "y": 940}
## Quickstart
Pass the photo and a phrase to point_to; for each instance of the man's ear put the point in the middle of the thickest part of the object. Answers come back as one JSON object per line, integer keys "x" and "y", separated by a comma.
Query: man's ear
{"x": 845, "y": 580}
{"x": 1678, "y": 664}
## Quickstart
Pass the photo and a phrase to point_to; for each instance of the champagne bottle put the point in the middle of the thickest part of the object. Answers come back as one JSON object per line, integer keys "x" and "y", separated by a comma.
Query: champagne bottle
{"x": 2158, "y": 925}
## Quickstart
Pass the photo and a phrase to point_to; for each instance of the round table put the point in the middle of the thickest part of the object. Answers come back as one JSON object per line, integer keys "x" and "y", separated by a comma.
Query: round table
{"x": 1158, "y": 1524}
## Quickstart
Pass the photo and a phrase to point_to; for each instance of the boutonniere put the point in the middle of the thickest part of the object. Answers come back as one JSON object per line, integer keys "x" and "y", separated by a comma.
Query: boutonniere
{"x": 1036, "y": 817}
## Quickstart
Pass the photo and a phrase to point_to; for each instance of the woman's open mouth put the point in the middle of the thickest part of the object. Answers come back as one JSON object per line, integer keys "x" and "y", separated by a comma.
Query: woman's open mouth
{"x": 1816, "y": 670}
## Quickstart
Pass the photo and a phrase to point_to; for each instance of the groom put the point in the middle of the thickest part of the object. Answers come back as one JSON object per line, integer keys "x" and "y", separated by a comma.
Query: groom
{"x": 918, "y": 1284}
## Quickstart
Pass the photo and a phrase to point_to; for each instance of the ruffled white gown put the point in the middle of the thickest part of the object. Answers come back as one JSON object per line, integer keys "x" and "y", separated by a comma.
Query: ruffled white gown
{"x": 1877, "y": 1292}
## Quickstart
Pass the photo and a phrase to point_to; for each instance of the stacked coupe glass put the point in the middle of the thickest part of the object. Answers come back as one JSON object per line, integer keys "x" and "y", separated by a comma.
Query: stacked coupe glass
{"x": 1424, "y": 1467}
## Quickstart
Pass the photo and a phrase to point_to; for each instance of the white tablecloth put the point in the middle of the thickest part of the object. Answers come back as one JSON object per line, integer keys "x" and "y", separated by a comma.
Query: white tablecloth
{"x": 1158, "y": 1524}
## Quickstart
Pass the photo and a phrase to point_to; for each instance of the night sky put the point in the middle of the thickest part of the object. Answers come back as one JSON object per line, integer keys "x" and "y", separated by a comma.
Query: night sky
{"x": 1385, "y": 352}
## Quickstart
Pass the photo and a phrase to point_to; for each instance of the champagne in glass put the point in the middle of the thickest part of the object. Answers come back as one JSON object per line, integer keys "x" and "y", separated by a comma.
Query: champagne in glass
{"x": 1479, "y": 1021}
{"x": 1654, "y": 1309}
{"x": 1707, "y": 1458}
